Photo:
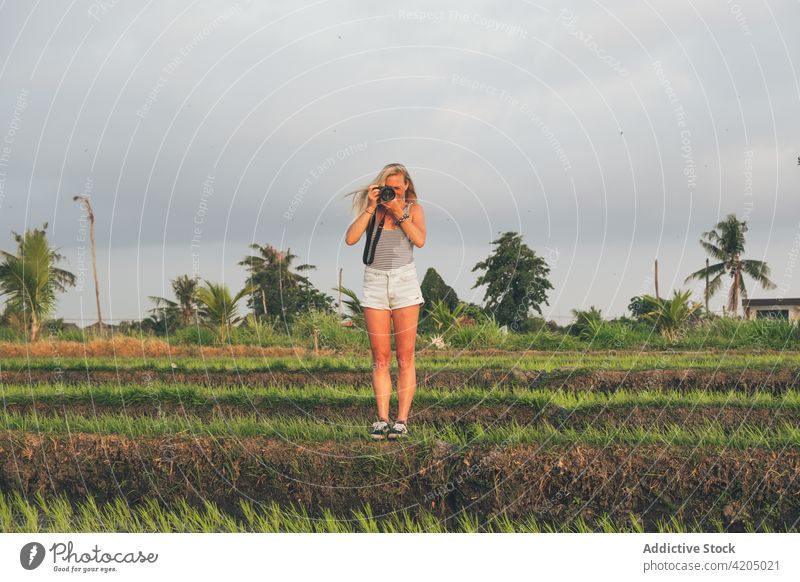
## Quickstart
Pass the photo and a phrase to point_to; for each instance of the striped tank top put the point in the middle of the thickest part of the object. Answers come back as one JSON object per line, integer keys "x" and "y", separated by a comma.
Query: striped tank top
{"x": 394, "y": 248}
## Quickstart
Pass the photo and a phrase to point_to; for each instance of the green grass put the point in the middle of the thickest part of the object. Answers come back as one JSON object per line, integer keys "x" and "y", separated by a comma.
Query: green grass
{"x": 555, "y": 362}
{"x": 57, "y": 514}
{"x": 719, "y": 333}
{"x": 294, "y": 429}
{"x": 263, "y": 397}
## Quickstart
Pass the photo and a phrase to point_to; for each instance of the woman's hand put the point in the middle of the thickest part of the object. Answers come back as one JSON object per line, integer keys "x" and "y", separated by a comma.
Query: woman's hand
{"x": 394, "y": 207}
{"x": 372, "y": 194}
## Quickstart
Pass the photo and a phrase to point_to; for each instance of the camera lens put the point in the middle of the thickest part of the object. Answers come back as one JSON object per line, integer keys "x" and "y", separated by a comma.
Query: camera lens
{"x": 386, "y": 194}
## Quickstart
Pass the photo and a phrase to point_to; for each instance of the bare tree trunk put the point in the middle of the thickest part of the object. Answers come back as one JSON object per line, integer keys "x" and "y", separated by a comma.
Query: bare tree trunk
{"x": 264, "y": 302}
{"x": 735, "y": 295}
{"x": 100, "y": 327}
{"x": 706, "y": 293}
{"x": 656, "y": 275}
{"x": 340, "y": 293}
{"x": 94, "y": 270}
{"x": 34, "y": 326}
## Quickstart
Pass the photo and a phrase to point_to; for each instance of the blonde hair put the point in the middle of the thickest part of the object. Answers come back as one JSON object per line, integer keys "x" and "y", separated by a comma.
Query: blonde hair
{"x": 361, "y": 198}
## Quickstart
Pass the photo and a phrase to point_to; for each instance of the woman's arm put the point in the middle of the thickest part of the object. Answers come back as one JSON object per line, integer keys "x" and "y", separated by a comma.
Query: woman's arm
{"x": 414, "y": 226}
{"x": 358, "y": 227}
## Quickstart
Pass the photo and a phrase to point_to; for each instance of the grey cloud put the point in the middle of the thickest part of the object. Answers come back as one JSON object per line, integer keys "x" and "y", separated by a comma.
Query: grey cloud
{"x": 151, "y": 134}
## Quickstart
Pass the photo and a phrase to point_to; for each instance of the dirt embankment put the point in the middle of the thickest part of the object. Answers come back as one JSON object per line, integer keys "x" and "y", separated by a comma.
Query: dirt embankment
{"x": 121, "y": 346}
{"x": 129, "y": 347}
{"x": 555, "y": 484}
{"x": 775, "y": 382}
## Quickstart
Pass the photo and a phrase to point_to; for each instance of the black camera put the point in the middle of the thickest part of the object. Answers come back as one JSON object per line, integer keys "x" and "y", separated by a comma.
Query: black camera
{"x": 386, "y": 194}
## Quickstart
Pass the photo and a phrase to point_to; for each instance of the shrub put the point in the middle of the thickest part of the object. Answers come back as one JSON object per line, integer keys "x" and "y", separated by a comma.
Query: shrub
{"x": 484, "y": 333}
{"x": 607, "y": 334}
{"x": 9, "y": 335}
{"x": 445, "y": 318}
{"x": 257, "y": 332}
{"x": 768, "y": 332}
{"x": 196, "y": 335}
{"x": 543, "y": 339}
{"x": 331, "y": 333}
{"x": 529, "y": 325}
{"x": 72, "y": 335}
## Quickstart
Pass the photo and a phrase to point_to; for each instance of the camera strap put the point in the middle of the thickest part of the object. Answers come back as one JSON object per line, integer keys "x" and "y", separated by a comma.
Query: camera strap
{"x": 372, "y": 238}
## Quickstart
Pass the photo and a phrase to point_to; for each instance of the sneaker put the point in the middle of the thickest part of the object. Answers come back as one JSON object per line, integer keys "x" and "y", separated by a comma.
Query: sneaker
{"x": 379, "y": 430}
{"x": 399, "y": 429}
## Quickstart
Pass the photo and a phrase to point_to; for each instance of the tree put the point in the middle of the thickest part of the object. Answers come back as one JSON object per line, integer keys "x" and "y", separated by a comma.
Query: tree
{"x": 185, "y": 289}
{"x": 638, "y": 306}
{"x": 31, "y": 280}
{"x": 159, "y": 322}
{"x": 516, "y": 280}
{"x": 277, "y": 289}
{"x": 218, "y": 310}
{"x": 184, "y": 308}
{"x": 435, "y": 289}
{"x": 726, "y": 244}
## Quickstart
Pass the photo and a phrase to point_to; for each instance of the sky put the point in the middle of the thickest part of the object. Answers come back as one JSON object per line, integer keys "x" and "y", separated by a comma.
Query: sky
{"x": 608, "y": 134}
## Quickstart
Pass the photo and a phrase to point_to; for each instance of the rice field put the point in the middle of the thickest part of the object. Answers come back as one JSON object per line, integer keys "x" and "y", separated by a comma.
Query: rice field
{"x": 499, "y": 360}
{"x": 58, "y": 514}
{"x": 595, "y": 441}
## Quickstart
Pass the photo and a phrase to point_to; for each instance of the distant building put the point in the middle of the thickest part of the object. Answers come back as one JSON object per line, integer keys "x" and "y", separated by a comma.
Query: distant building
{"x": 783, "y": 308}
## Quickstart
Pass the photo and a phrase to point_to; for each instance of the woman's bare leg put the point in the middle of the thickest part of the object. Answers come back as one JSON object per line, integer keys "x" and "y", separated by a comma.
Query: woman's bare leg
{"x": 379, "y": 331}
{"x": 405, "y": 337}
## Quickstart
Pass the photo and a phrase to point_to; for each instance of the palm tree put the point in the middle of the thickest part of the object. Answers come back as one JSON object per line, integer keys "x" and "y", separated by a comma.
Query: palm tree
{"x": 185, "y": 289}
{"x": 587, "y": 322}
{"x": 353, "y": 304}
{"x": 270, "y": 263}
{"x": 669, "y": 315}
{"x": 726, "y": 243}
{"x": 31, "y": 279}
{"x": 218, "y": 310}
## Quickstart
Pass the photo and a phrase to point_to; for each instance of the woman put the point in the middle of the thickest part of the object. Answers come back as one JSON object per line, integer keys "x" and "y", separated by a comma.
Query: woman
{"x": 392, "y": 294}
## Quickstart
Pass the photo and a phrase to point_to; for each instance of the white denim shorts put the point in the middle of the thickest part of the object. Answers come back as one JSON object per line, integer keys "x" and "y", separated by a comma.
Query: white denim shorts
{"x": 393, "y": 288}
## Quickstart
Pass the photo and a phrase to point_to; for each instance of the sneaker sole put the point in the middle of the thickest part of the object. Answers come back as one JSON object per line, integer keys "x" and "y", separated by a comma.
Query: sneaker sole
{"x": 397, "y": 436}
{"x": 377, "y": 437}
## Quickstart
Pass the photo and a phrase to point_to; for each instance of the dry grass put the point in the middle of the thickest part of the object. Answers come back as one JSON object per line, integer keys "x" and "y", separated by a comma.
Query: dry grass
{"x": 128, "y": 347}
